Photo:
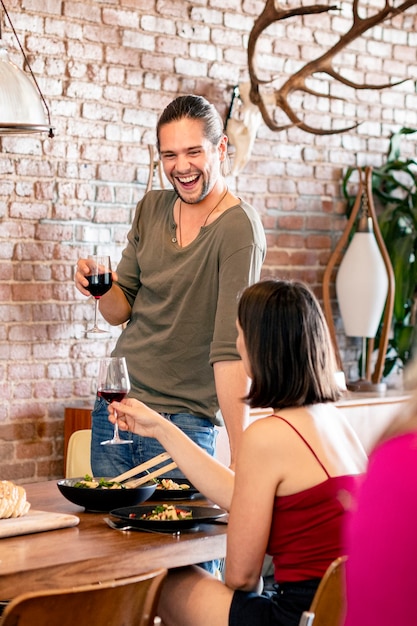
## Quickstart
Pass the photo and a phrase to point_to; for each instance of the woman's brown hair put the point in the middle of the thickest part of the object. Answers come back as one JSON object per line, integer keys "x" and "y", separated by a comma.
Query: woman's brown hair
{"x": 288, "y": 345}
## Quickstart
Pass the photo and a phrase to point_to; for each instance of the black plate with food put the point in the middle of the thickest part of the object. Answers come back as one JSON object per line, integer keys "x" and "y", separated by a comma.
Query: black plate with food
{"x": 175, "y": 489}
{"x": 190, "y": 516}
{"x": 102, "y": 498}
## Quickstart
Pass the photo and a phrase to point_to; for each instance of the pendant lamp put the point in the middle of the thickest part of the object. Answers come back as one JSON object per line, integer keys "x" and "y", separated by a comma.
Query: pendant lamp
{"x": 22, "y": 105}
{"x": 364, "y": 287}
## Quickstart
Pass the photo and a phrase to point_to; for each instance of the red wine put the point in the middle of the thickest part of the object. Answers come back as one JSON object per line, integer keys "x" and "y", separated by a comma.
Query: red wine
{"x": 111, "y": 395}
{"x": 99, "y": 284}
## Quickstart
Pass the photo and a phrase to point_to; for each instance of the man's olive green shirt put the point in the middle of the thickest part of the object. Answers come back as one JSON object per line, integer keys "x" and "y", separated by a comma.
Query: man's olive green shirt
{"x": 184, "y": 302}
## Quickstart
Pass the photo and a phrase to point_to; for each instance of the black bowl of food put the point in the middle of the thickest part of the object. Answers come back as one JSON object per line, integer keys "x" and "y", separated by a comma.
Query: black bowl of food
{"x": 175, "y": 489}
{"x": 101, "y": 495}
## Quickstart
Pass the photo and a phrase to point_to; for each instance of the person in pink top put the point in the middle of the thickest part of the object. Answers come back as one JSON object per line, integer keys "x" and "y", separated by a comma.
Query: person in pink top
{"x": 381, "y": 574}
{"x": 295, "y": 475}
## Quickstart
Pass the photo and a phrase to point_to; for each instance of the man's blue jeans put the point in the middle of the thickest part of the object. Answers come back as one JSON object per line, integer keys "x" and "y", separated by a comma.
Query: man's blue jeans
{"x": 108, "y": 461}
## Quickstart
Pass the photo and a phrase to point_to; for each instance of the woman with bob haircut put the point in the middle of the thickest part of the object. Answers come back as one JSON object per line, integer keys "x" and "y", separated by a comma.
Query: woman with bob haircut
{"x": 295, "y": 475}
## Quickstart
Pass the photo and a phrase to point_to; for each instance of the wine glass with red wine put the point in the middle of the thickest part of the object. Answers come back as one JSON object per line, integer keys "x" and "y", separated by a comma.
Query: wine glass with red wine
{"x": 99, "y": 283}
{"x": 113, "y": 384}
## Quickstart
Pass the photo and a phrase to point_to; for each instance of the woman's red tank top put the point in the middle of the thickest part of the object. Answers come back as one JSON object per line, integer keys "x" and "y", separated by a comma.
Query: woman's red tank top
{"x": 307, "y": 527}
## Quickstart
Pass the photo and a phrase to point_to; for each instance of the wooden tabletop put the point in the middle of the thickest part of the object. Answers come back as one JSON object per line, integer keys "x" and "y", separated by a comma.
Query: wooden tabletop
{"x": 91, "y": 551}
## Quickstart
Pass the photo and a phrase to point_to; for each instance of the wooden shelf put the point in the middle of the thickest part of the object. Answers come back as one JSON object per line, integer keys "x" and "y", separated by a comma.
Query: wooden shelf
{"x": 76, "y": 418}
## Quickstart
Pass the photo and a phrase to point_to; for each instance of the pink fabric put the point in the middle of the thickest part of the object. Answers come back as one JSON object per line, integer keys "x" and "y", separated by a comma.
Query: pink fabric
{"x": 382, "y": 539}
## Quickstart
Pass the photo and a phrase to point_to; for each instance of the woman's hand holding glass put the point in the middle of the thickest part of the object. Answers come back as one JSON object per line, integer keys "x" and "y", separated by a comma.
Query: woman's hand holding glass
{"x": 136, "y": 417}
{"x": 113, "y": 384}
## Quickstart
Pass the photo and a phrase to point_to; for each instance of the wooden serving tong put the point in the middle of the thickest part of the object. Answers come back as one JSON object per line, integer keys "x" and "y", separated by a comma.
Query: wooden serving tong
{"x": 143, "y": 467}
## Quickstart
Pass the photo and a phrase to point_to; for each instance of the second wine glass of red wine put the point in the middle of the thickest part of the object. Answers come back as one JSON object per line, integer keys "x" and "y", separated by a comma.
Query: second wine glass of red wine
{"x": 99, "y": 282}
{"x": 113, "y": 385}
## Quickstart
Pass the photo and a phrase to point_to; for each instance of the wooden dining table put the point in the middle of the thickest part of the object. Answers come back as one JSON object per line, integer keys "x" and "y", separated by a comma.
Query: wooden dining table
{"x": 91, "y": 551}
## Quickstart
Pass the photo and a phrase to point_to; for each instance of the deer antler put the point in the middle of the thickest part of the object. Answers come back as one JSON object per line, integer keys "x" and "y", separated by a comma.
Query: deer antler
{"x": 323, "y": 64}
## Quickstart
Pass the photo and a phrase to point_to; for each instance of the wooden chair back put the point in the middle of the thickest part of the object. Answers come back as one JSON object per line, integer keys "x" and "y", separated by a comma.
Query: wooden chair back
{"x": 126, "y": 601}
{"x": 329, "y": 602}
{"x": 77, "y": 462}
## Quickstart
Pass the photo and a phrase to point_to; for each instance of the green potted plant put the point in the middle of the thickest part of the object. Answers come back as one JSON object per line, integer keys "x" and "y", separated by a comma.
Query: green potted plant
{"x": 394, "y": 188}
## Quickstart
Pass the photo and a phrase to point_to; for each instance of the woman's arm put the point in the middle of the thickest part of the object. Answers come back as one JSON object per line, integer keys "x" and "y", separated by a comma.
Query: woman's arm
{"x": 252, "y": 506}
{"x": 207, "y": 474}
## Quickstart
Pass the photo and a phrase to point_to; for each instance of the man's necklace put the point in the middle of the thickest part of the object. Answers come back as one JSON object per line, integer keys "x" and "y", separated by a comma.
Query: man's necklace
{"x": 205, "y": 221}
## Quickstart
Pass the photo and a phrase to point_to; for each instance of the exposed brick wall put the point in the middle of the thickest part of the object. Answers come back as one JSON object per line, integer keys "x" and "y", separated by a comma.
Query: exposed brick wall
{"x": 106, "y": 69}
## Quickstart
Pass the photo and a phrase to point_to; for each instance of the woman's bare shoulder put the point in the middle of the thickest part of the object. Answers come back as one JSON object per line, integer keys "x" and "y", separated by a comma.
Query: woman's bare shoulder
{"x": 267, "y": 432}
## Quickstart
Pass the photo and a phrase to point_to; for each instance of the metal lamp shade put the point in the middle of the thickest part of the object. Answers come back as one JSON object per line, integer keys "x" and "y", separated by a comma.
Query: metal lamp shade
{"x": 362, "y": 286}
{"x": 21, "y": 109}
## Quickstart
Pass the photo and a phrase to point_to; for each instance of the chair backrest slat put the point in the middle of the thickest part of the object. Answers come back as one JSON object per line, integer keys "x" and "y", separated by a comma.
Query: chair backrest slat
{"x": 129, "y": 601}
{"x": 78, "y": 454}
{"x": 329, "y": 602}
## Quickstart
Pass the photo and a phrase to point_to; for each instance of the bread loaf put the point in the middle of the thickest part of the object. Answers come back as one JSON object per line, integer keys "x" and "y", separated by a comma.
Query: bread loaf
{"x": 13, "y": 501}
